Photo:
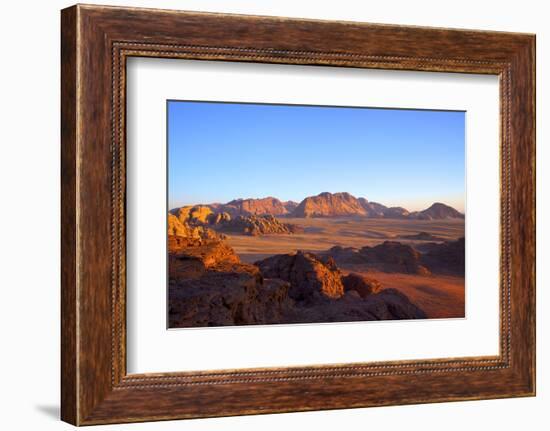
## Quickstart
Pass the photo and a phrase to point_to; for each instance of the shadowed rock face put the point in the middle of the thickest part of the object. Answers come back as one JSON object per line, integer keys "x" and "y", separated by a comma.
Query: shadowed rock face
{"x": 390, "y": 256}
{"x": 396, "y": 212}
{"x": 388, "y": 304}
{"x": 373, "y": 209}
{"x": 393, "y": 256}
{"x": 447, "y": 257}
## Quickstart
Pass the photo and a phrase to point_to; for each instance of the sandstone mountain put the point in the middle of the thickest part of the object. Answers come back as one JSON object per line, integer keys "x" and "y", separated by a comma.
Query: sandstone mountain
{"x": 290, "y": 206}
{"x": 261, "y": 206}
{"x": 329, "y": 205}
{"x": 193, "y": 214}
{"x": 437, "y": 211}
{"x": 373, "y": 209}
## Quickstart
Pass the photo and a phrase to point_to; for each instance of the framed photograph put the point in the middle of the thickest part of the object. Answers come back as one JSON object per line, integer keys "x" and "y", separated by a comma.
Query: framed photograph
{"x": 266, "y": 215}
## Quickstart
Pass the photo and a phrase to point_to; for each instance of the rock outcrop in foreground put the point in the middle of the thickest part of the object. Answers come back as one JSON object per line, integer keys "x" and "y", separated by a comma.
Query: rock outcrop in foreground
{"x": 310, "y": 278}
{"x": 210, "y": 286}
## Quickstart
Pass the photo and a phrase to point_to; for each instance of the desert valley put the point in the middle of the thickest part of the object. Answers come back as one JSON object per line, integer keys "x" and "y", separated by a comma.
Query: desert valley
{"x": 332, "y": 257}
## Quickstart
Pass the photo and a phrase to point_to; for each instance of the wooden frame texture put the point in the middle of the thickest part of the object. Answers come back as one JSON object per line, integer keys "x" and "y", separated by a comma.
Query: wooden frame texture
{"x": 95, "y": 43}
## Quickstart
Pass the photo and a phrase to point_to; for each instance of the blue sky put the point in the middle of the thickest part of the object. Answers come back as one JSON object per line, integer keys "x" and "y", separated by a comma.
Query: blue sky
{"x": 221, "y": 151}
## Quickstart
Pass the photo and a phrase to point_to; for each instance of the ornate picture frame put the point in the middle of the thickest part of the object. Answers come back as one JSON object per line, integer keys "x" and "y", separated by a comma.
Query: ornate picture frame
{"x": 96, "y": 41}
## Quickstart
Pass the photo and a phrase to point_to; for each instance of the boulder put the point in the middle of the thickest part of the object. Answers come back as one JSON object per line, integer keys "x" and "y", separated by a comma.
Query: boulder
{"x": 361, "y": 284}
{"x": 310, "y": 276}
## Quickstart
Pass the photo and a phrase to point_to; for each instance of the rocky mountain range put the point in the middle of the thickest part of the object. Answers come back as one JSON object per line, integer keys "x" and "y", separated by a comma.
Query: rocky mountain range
{"x": 324, "y": 205}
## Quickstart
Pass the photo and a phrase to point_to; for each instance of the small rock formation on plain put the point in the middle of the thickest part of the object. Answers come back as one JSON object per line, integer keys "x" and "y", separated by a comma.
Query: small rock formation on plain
{"x": 446, "y": 257}
{"x": 390, "y": 256}
{"x": 193, "y": 214}
{"x": 256, "y": 225}
{"x": 393, "y": 256}
{"x": 189, "y": 229}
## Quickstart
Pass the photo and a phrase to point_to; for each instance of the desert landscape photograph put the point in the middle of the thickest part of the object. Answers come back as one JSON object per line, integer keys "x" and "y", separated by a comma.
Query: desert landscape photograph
{"x": 298, "y": 214}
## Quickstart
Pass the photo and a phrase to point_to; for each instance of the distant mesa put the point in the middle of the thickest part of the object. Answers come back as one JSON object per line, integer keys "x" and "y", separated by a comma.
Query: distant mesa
{"x": 329, "y": 205}
{"x": 261, "y": 206}
{"x": 437, "y": 211}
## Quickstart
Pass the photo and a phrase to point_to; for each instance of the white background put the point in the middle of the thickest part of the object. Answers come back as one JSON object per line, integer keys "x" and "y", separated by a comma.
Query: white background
{"x": 151, "y": 348}
{"x": 29, "y": 226}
